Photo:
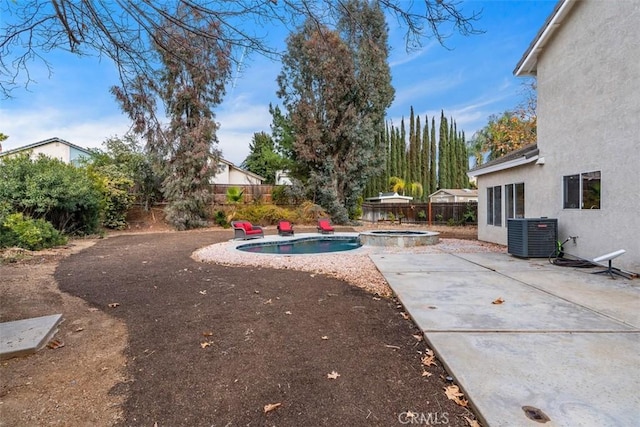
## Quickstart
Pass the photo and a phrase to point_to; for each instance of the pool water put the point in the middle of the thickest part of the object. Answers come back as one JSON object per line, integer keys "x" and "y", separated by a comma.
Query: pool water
{"x": 312, "y": 245}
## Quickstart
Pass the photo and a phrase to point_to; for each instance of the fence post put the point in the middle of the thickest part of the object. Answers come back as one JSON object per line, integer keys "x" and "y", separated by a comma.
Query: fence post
{"x": 429, "y": 209}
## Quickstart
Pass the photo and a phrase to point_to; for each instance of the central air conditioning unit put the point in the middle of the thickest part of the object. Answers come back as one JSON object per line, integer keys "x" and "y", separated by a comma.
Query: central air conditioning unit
{"x": 532, "y": 237}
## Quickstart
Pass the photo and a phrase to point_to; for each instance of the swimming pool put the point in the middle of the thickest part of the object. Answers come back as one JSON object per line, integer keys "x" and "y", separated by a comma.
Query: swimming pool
{"x": 306, "y": 245}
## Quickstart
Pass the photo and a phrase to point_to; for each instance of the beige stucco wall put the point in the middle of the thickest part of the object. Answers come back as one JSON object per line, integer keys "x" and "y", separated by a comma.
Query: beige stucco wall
{"x": 588, "y": 120}
{"x": 532, "y": 177}
{"x": 54, "y": 150}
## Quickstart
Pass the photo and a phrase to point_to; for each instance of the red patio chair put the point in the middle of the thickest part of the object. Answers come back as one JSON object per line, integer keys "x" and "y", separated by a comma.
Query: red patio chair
{"x": 245, "y": 230}
{"x": 285, "y": 228}
{"x": 324, "y": 226}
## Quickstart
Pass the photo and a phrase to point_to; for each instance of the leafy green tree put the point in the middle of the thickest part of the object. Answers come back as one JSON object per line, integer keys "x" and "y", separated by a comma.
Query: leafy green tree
{"x": 336, "y": 92}
{"x": 128, "y": 158}
{"x": 397, "y": 184}
{"x": 263, "y": 158}
{"x": 190, "y": 83}
{"x": 66, "y": 196}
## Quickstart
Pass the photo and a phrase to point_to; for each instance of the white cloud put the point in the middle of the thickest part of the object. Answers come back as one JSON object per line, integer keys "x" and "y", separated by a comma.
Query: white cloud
{"x": 28, "y": 126}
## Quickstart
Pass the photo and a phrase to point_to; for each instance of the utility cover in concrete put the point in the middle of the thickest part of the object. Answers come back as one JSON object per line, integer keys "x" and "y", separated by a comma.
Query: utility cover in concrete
{"x": 22, "y": 337}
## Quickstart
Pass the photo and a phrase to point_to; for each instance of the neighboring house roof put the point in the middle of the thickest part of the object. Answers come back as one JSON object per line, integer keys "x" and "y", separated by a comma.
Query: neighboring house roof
{"x": 524, "y": 155}
{"x": 528, "y": 64}
{"x": 457, "y": 192}
{"x": 387, "y": 196}
{"x": 45, "y": 142}
{"x": 251, "y": 174}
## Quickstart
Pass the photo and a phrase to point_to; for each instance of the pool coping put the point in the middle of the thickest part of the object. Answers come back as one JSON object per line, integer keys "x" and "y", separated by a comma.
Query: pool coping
{"x": 233, "y": 244}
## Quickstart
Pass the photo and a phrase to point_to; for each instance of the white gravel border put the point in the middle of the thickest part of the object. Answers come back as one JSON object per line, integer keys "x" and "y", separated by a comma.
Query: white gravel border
{"x": 352, "y": 266}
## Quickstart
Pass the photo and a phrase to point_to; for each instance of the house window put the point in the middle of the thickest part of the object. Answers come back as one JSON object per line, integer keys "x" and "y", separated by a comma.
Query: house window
{"x": 494, "y": 206}
{"x": 515, "y": 200}
{"x": 582, "y": 191}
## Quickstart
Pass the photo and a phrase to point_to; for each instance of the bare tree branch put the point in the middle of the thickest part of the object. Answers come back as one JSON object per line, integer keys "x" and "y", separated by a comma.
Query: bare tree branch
{"x": 123, "y": 30}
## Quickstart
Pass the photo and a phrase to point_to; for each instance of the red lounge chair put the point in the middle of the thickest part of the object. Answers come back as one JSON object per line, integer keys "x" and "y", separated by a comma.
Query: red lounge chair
{"x": 324, "y": 226}
{"x": 285, "y": 228}
{"x": 245, "y": 230}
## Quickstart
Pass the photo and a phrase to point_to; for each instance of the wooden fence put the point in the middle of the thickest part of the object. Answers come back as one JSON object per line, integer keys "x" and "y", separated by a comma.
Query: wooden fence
{"x": 250, "y": 193}
{"x": 422, "y": 212}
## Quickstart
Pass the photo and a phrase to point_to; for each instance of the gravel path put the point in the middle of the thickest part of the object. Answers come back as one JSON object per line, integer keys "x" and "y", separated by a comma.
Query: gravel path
{"x": 354, "y": 267}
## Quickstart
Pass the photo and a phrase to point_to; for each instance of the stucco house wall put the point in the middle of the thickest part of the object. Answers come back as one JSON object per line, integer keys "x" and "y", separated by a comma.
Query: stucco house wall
{"x": 588, "y": 120}
{"x": 229, "y": 174}
{"x": 55, "y": 148}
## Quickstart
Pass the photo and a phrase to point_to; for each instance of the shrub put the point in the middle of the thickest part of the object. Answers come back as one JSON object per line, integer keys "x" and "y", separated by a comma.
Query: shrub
{"x": 265, "y": 214}
{"x": 64, "y": 195}
{"x": 28, "y": 233}
{"x": 280, "y": 195}
{"x": 220, "y": 218}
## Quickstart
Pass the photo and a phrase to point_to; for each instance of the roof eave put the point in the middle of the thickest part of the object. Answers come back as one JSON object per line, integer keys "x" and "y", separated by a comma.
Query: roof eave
{"x": 503, "y": 166}
{"x": 528, "y": 64}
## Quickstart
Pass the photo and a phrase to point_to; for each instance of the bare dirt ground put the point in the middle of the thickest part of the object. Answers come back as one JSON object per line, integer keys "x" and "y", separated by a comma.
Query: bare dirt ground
{"x": 153, "y": 337}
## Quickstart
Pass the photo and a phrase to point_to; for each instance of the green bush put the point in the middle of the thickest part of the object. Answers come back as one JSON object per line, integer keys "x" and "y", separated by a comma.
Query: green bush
{"x": 28, "y": 233}
{"x": 62, "y": 194}
{"x": 265, "y": 214}
{"x": 279, "y": 195}
{"x": 117, "y": 197}
{"x": 220, "y": 218}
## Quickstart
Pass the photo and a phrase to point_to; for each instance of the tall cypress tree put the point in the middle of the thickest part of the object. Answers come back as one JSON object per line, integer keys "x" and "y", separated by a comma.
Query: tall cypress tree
{"x": 452, "y": 162}
{"x": 411, "y": 155}
{"x": 433, "y": 160}
{"x": 443, "y": 153}
{"x": 417, "y": 164}
{"x": 403, "y": 151}
{"x": 425, "y": 160}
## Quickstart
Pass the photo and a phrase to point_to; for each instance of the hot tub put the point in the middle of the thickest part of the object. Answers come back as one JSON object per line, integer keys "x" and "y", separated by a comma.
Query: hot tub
{"x": 399, "y": 238}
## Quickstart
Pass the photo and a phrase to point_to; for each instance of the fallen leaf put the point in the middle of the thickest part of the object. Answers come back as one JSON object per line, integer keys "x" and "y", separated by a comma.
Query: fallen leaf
{"x": 472, "y": 423}
{"x": 54, "y": 344}
{"x": 392, "y": 346}
{"x": 287, "y": 312}
{"x": 93, "y": 309}
{"x": 269, "y": 301}
{"x": 205, "y": 344}
{"x": 325, "y": 337}
{"x": 271, "y": 406}
{"x": 114, "y": 304}
{"x": 404, "y": 315}
{"x": 418, "y": 337}
{"x": 429, "y": 361}
{"x": 453, "y": 393}
{"x": 203, "y": 292}
{"x": 426, "y": 374}
{"x": 333, "y": 375}
{"x": 207, "y": 334}
{"x": 79, "y": 330}
{"x": 428, "y": 352}
{"x": 256, "y": 292}
{"x": 376, "y": 298}
{"x": 498, "y": 301}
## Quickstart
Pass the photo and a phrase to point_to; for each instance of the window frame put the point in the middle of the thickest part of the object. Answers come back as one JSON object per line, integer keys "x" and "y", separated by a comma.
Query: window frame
{"x": 574, "y": 190}
{"x": 513, "y": 206}
{"x": 494, "y": 206}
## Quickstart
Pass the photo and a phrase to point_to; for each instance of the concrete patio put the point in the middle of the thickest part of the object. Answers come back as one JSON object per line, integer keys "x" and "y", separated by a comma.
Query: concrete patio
{"x": 564, "y": 344}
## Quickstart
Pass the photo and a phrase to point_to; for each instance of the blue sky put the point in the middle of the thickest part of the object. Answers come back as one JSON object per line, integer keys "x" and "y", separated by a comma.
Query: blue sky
{"x": 470, "y": 80}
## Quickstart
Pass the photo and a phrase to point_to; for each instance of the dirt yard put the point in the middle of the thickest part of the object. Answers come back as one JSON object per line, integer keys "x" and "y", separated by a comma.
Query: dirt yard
{"x": 152, "y": 337}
